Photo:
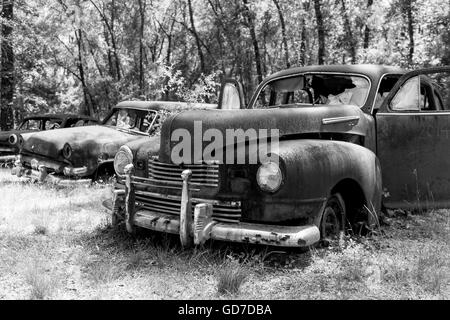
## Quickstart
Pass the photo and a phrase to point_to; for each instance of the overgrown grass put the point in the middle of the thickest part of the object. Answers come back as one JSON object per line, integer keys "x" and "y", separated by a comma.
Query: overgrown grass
{"x": 231, "y": 276}
{"x": 57, "y": 243}
{"x": 42, "y": 285}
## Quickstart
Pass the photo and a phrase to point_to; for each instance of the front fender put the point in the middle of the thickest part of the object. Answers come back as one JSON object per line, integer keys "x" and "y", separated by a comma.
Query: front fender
{"x": 312, "y": 169}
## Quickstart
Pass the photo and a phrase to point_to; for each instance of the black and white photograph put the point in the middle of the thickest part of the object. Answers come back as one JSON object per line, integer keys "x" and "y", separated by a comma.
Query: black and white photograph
{"x": 224, "y": 151}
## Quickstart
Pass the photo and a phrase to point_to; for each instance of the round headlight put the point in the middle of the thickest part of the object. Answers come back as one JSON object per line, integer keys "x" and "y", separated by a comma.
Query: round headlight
{"x": 269, "y": 177}
{"x": 67, "y": 151}
{"x": 12, "y": 139}
{"x": 123, "y": 158}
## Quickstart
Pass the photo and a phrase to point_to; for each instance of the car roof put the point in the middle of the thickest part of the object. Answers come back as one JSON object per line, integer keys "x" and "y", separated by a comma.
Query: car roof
{"x": 59, "y": 116}
{"x": 162, "y": 105}
{"x": 373, "y": 71}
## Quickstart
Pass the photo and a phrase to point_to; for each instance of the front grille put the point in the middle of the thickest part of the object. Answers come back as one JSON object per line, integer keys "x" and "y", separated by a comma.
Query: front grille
{"x": 206, "y": 175}
{"x": 229, "y": 212}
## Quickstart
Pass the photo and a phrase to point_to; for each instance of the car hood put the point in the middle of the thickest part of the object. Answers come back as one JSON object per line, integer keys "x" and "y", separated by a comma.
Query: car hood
{"x": 290, "y": 121}
{"x": 85, "y": 141}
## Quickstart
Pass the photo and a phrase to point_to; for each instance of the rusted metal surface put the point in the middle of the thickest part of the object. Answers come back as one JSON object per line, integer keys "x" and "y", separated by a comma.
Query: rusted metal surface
{"x": 290, "y": 122}
{"x": 413, "y": 148}
{"x": 130, "y": 200}
{"x": 186, "y": 211}
{"x": 325, "y": 151}
{"x": 273, "y": 235}
{"x": 10, "y": 140}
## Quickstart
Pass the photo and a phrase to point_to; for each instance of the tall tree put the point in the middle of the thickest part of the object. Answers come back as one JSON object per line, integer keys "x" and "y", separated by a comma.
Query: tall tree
{"x": 408, "y": 11}
{"x": 141, "y": 47}
{"x": 320, "y": 31}
{"x": 367, "y": 28}
{"x": 7, "y": 67}
{"x": 349, "y": 38}
{"x": 283, "y": 33}
{"x": 196, "y": 36}
{"x": 250, "y": 21}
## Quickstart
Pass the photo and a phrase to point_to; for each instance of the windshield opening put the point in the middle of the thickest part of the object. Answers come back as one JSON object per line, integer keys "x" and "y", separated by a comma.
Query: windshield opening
{"x": 314, "y": 89}
{"x": 135, "y": 120}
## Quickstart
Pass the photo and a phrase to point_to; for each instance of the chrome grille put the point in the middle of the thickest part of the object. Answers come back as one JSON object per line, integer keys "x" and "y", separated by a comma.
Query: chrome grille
{"x": 229, "y": 212}
{"x": 206, "y": 175}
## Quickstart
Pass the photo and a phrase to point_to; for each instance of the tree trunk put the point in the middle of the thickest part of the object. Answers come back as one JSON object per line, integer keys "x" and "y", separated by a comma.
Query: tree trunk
{"x": 89, "y": 108}
{"x": 251, "y": 26}
{"x": 367, "y": 29}
{"x": 283, "y": 32}
{"x": 141, "y": 49}
{"x": 320, "y": 31}
{"x": 113, "y": 40}
{"x": 409, "y": 12}
{"x": 350, "y": 40}
{"x": 110, "y": 29}
{"x": 197, "y": 39}
{"x": 7, "y": 67}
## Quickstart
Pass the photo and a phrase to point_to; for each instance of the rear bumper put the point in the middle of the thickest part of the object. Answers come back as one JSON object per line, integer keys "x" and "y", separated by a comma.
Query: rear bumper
{"x": 7, "y": 159}
{"x": 195, "y": 228}
{"x": 41, "y": 175}
{"x": 7, "y": 155}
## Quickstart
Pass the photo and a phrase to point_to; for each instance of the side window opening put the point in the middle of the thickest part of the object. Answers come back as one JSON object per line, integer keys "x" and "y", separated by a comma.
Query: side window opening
{"x": 386, "y": 85}
{"x": 53, "y": 124}
{"x": 407, "y": 98}
{"x": 416, "y": 94}
{"x": 31, "y": 124}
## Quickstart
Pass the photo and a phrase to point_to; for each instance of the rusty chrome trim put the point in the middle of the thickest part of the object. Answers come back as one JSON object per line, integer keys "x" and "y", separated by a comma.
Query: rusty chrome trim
{"x": 178, "y": 198}
{"x": 415, "y": 113}
{"x": 281, "y": 236}
{"x": 339, "y": 120}
{"x": 7, "y": 158}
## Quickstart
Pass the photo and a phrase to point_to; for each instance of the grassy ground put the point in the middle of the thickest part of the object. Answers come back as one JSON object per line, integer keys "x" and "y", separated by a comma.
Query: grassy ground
{"x": 57, "y": 244}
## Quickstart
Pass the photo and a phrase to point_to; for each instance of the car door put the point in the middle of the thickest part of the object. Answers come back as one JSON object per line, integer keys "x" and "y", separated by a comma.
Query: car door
{"x": 413, "y": 141}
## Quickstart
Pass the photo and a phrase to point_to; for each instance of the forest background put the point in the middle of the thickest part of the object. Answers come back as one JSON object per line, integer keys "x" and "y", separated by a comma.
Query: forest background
{"x": 84, "y": 56}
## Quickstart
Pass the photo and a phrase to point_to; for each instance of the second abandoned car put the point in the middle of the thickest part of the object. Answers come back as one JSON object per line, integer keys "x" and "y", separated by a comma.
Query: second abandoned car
{"x": 352, "y": 138}
{"x": 83, "y": 154}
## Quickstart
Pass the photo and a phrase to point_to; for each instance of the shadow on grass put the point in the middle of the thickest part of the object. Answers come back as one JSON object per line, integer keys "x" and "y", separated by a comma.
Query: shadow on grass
{"x": 148, "y": 248}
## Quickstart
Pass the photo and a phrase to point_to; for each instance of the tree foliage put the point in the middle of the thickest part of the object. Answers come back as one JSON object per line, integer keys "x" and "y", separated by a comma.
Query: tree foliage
{"x": 86, "y": 55}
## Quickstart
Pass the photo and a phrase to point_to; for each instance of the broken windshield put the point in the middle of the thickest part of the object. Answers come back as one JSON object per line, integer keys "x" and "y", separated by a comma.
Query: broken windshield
{"x": 314, "y": 89}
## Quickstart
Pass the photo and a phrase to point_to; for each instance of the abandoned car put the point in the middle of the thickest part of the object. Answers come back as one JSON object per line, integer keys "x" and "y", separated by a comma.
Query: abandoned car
{"x": 351, "y": 139}
{"x": 9, "y": 140}
{"x": 86, "y": 154}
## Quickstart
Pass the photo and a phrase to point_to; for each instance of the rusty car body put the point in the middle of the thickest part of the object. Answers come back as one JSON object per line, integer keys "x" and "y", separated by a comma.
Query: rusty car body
{"x": 341, "y": 158}
{"x": 84, "y": 154}
{"x": 10, "y": 140}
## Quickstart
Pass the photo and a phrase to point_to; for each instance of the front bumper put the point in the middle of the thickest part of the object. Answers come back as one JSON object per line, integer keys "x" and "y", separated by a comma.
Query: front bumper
{"x": 198, "y": 227}
{"x": 40, "y": 174}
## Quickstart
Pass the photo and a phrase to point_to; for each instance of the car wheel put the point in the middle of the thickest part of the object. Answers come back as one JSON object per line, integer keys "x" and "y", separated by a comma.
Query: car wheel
{"x": 333, "y": 216}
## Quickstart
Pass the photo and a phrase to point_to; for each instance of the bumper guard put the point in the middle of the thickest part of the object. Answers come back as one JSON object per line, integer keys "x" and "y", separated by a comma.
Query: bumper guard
{"x": 196, "y": 229}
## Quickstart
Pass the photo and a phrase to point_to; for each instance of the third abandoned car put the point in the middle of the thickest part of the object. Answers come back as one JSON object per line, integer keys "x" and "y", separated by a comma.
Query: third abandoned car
{"x": 351, "y": 139}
